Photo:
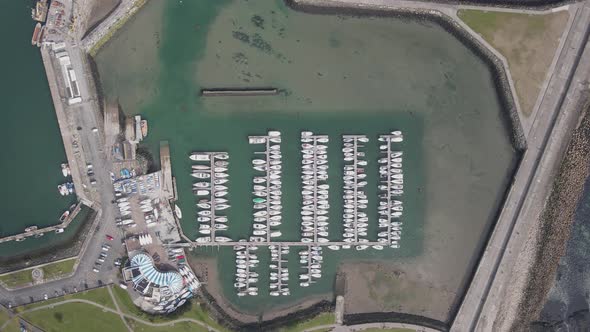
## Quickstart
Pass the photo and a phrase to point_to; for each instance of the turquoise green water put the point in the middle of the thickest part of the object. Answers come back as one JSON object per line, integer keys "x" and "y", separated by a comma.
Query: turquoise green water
{"x": 32, "y": 149}
{"x": 339, "y": 75}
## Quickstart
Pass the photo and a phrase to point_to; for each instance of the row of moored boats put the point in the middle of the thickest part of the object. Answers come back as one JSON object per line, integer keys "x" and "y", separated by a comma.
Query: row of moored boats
{"x": 246, "y": 276}
{"x": 267, "y": 188}
{"x": 391, "y": 187}
{"x": 355, "y": 200}
{"x": 211, "y": 172}
{"x": 279, "y": 273}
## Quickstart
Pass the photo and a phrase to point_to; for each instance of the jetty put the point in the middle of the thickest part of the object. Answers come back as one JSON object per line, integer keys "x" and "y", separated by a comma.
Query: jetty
{"x": 41, "y": 231}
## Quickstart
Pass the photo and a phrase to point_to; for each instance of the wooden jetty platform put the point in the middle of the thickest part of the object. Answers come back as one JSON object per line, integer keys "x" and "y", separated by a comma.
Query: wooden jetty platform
{"x": 266, "y": 244}
{"x": 238, "y": 92}
{"x": 167, "y": 183}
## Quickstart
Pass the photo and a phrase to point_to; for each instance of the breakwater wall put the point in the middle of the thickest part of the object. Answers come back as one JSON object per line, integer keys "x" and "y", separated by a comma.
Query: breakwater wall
{"x": 539, "y": 5}
{"x": 292, "y": 318}
{"x": 394, "y": 317}
{"x": 494, "y": 64}
{"x": 556, "y": 223}
{"x": 228, "y": 92}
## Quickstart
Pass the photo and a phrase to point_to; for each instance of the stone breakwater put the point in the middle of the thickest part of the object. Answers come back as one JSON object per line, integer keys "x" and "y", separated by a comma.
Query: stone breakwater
{"x": 494, "y": 64}
{"x": 553, "y": 230}
{"x": 520, "y": 4}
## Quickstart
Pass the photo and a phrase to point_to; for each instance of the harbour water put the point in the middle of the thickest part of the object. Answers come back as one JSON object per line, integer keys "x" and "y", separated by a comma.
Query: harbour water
{"x": 32, "y": 144}
{"x": 337, "y": 75}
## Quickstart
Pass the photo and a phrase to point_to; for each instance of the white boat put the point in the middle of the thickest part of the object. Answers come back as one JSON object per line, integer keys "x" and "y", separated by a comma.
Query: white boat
{"x": 221, "y": 175}
{"x": 204, "y": 213}
{"x": 200, "y": 156}
{"x": 205, "y": 231}
{"x": 221, "y": 219}
{"x": 200, "y": 167}
{"x": 222, "y": 156}
{"x": 202, "y": 192}
{"x": 200, "y": 175}
{"x": 274, "y": 133}
{"x": 203, "y": 239}
{"x": 202, "y": 185}
{"x": 220, "y": 193}
{"x": 258, "y": 162}
{"x": 220, "y": 181}
{"x": 204, "y": 205}
{"x": 204, "y": 219}
{"x": 222, "y": 206}
{"x": 222, "y": 239}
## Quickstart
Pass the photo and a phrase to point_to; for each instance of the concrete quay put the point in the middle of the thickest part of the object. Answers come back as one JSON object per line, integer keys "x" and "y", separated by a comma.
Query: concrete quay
{"x": 557, "y": 116}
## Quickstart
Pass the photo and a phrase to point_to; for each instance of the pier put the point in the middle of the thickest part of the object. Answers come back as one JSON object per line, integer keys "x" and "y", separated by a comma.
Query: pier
{"x": 41, "y": 231}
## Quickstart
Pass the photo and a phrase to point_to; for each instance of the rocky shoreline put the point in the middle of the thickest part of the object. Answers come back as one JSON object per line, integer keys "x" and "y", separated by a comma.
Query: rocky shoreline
{"x": 550, "y": 239}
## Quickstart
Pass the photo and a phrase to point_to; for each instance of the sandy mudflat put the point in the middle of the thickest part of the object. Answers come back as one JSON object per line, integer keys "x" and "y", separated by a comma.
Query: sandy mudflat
{"x": 206, "y": 270}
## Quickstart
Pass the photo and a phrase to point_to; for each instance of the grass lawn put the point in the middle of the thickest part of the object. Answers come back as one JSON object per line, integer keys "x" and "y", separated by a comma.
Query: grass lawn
{"x": 55, "y": 270}
{"x": 98, "y": 295}
{"x": 16, "y": 279}
{"x": 195, "y": 311}
{"x": 13, "y": 326}
{"x": 319, "y": 320}
{"x": 528, "y": 42}
{"x": 3, "y": 317}
{"x": 179, "y": 327}
{"x": 72, "y": 317}
{"x": 50, "y": 271}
